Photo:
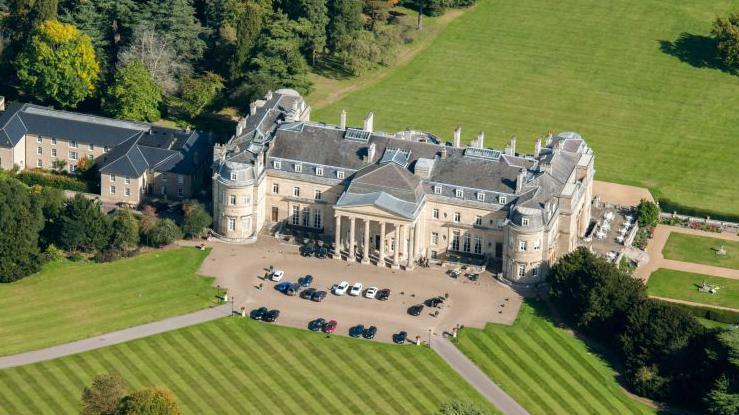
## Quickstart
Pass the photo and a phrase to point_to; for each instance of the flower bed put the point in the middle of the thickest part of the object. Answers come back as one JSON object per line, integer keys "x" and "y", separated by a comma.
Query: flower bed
{"x": 643, "y": 235}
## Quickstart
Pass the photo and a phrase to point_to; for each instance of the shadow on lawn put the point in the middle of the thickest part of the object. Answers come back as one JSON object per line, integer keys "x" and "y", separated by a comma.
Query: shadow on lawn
{"x": 696, "y": 50}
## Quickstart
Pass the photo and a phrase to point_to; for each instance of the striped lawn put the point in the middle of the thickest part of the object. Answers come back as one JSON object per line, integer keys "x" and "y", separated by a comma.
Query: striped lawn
{"x": 69, "y": 301}
{"x": 238, "y": 366}
{"x": 545, "y": 369}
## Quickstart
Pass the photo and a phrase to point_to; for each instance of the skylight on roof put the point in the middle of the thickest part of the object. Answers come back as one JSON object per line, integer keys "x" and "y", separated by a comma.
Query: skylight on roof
{"x": 482, "y": 153}
{"x": 396, "y": 155}
{"x": 357, "y": 134}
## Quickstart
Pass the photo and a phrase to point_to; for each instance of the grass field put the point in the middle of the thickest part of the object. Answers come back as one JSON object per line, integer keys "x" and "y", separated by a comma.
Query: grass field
{"x": 69, "y": 301}
{"x": 701, "y": 250}
{"x": 237, "y": 366}
{"x": 684, "y": 286}
{"x": 545, "y": 369}
{"x": 655, "y": 112}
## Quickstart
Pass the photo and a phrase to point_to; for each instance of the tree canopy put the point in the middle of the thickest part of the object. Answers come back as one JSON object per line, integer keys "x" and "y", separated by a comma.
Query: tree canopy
{"x": 20, "y": 220}
{"x": 726, "y": 32}
{"x": 134, "y": 95}
{"x": 104, "y": 394}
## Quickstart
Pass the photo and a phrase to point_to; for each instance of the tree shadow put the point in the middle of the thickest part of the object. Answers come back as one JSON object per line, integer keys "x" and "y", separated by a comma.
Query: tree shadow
{"x": 696, "y": 50}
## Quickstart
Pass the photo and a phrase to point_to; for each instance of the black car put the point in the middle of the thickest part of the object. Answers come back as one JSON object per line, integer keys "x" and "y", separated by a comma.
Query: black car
{"x": 305, "y": 281}
{"x": 322, "y": 252}
{"x": 369, "y": 332}
{"x": 415, "y": 310}
{"x": 356, "y": 331}
{"x": 271, "y": 315}
{"x": 383, "y": 295}
{"x": 400, "y": 338}
{"x": 292, "y": 289}
{"x": 308, "y": 250}
{"x": 258, "y": 313}
{"x": 307, "y": 293}
{"x": 317, "y": 324}
{"x": 433, "y": 302}
{"x": 318, "y": 296}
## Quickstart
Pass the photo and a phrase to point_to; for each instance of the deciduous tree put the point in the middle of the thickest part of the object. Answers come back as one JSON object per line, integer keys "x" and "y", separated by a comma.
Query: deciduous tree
{"x": 124, "y": 230}
{"x": 199, "y": 93}
{"x": 103, "y": 396}
{"x": 164, "y": 232}
{"x": 726, "y": 32}
{"x": 157, "y": 55}
{"x": 20, "y": 222}
{"x": 647, "y": 213}
{"x": 150, "y": 401}
{"x": 196, "y": 219}
{"x": 134, "y": 95}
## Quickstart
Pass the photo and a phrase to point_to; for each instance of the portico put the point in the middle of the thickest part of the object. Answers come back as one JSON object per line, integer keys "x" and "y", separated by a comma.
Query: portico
{"x": 376, "y": 239}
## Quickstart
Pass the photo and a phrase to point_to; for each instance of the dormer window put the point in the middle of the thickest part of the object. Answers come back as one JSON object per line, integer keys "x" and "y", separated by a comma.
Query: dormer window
{"x": 437, "y": 190}
{"x": 340, "y": 174}
{"x": 459, "y": 193}
{"x": 319, "y": 171}
{"x": 298, "y": 168}
{"x": 481, "y": 196}
{"x": 277, "y": 164}
{"x": 502, "y": 200}
{"x": 524, "y": 221}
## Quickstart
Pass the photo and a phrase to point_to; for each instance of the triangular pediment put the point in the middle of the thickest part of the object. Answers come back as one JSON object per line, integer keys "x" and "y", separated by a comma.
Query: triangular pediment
{"x": 370, "y": 210}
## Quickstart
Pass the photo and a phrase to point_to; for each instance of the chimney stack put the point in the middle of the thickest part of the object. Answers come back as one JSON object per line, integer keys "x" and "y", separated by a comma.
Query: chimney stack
{"x": 342, "y": 120}
{"x": 537, "y": 147}
{"x": 371, "y": 152}
{"x": 481, "y": 139}
{"x": 513, "y": 145}
{"x": 253, "y": 108}
{"x": 443, "y": 152}
{"x": 458, "y": 137}
{"x": 2, "y": 103}
{"x": 549, "y": 138}
{"x": 520, "y": 180}
{"x": 268, "y": 96}
{"x": 369, "y": 122}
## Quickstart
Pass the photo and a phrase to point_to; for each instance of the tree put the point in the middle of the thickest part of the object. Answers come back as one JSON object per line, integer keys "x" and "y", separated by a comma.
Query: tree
{"x": 20, "y": 221}
{"x": 157, "y": 55}
{"x": 345, "y": 18}
{"x": 199, "y": 93}
{"x": 103, "y": 396}
{"x": 149, "y": 402}
{"x": 647, "y": 213}
{"x": 461, "y": 408}
{"x": 314, "y": 15}
{"x": 175, "y": 21}
{"x": 134, "y": 95}
{"x": 59, "y": 165}
{"x": 83, "y": 226}
{"x": 726, "y": 32}
{"x": 723, "y": 397}
{"x": 58, "y": 64}
{"x": 196, "y": 219}
{"x": 124, "y": 230}
{"x": 164, "y": 232}
{"x": 721, "y": 400}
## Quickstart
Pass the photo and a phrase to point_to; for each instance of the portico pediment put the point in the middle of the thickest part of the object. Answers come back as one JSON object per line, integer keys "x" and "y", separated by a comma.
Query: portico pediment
{"x": 369, "y": 211}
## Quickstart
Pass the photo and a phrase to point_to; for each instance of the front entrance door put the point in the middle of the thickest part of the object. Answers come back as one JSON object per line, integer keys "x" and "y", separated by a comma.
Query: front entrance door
{"x": 377, "y": 242}
{"x": 275, "y": 214}
{"x": 498, "y": 250}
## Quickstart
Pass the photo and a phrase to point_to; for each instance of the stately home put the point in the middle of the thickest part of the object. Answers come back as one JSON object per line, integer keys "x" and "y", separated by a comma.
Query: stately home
{"x": 135, "y": 160}
{"x": 393, "y": 198}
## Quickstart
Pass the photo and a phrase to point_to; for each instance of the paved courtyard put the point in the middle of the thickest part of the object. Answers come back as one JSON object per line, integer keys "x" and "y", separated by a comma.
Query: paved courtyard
{"x": 241, "y": 268}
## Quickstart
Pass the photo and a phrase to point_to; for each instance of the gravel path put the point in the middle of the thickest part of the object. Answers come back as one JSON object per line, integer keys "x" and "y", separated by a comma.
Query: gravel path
{"x": 115, "y": 337}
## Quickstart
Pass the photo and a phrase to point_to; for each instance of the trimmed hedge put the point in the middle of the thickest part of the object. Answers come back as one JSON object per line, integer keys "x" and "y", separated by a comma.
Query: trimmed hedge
{"x": 58, "y": 181}
{"x": 668, "y": 206}
{"x": 709, "y": 313}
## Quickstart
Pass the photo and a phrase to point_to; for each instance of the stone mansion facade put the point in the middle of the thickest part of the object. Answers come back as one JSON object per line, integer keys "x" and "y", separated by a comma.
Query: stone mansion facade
{"x": 392, "y": 198}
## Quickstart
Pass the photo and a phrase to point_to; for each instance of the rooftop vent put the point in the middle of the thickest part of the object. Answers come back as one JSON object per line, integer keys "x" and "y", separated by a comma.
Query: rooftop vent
{"x": 357, "y": 135}
{"x": 482, "y": 153}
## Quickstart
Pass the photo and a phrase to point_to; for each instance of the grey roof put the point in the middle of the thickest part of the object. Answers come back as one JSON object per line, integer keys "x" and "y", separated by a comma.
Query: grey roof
{"x": 382, "y": 200}
{"x": 12, "y": 127}
{"x": 387, "y": 186}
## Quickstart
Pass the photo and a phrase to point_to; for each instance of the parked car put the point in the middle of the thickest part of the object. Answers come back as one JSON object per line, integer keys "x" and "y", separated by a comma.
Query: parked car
{"x": 330, "y": 327}
{"x": 282, "y": 287}
{"x": 277, "y": 275}
{"x": 383, "y": 295}
{"x": 400, "y": 338}
{"x": 258, "y": 313}
{"x": 318, "y": 296}
{"x": 322, "y": 252}
{"x": 369, "y": 332}
{"x": 293, "y": 289}
{"x": 371, "y": 292}
{"x": 433, "y": 302}
{"x": 271, "y": 316}
{"x": 341, "y": 288}
{"x": 356, "y": 289}
{"x": 415, "y": 310}
{"x": 307, "y": 293}
{"x": 356, "y": 331}
{"x": 316, "y": 324}
{"x": 308, "y": 250}
{"x": 305, "y": 281}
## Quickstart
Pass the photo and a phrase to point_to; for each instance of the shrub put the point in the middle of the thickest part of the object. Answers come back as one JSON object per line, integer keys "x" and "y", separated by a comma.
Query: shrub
{"x": 647, "y": 213}
{"x": 164, "y": 232}
{"x": 55, "y": 180}
{"x": 52, "y": 254}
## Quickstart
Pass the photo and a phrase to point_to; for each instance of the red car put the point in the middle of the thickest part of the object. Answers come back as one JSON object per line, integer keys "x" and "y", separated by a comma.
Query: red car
{"x": 330, "y": 327}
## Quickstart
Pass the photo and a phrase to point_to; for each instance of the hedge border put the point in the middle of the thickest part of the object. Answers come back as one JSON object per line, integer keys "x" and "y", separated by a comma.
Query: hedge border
{"x": 709, "y": 313}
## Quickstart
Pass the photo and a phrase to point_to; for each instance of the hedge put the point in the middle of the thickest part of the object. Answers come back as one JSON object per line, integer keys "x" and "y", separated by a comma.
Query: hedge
{"x": 668, "y": 206}
{"x": 709, "y": 313}
{"x": 58, "y": 181}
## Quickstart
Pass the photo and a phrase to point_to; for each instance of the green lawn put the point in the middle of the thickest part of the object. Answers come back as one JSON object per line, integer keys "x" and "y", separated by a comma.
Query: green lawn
{"x": 69, "y": 301}
{"x": 701, "y": 250}
{"x": 545, "y": 369}
{"x": 524, "y": 68}
{"x": 237, "y": 366}
{"x": 684, "y": 286}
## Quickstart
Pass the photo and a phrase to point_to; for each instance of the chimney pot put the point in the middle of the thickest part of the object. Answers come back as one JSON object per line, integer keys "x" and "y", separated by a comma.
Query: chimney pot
{"x": 253, "y": 108}
{"x": 513, "y": 145}
{"x": 537, "y": 147}
{"x": 369, "y": 122}
{"x": 458, "y": 137}
{"x": 371, "y": 152}
{"x": 520, "y": 180}
{"x": 342, "y": 120}
{"x": 443, "y": 152}
{"x": 481, "y": 139}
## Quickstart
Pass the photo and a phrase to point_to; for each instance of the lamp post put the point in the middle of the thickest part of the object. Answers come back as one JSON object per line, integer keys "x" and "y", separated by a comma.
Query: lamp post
{"x": 232, "y": 305}
{"x": 429, "y": 338}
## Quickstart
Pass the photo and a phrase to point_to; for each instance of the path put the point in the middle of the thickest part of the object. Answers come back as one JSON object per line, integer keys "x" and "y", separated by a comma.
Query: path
{"x": 691, "y": 303}
{"x": 657, "y": 260}
{"x": 115, "y": 337}
{"x": 476, "y": 377}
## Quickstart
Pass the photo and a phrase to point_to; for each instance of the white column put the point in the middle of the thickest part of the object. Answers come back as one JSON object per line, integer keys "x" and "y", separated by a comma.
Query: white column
{"x": 396, "y": 251}
{"x": 411, "y": 248}
{"x": 352, "y": 222}
{"x": 365, "y": 251}
{"x": 381, "y": 257}
{"x": 417, "y": 233}
{"x": 337, "y": 238}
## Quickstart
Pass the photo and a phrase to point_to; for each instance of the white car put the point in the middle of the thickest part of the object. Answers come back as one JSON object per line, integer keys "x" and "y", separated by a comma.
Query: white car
{"x": 341, "y": 288}
{"x": 277, "y": 275}
{"x": 371, "y": 292}
{"x": 356, "y": 289}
